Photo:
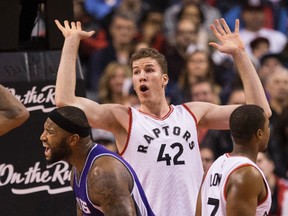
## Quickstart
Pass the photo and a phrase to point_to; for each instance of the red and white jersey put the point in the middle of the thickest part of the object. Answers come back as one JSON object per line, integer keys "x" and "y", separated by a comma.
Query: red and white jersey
{"x": 165, "y": 155}
{"x": 213, "y": 195}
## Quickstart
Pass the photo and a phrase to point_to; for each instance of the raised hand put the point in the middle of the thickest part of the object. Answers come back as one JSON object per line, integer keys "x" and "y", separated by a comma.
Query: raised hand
{"x": 230, "y": 42}
{"x": 73, "y": 29}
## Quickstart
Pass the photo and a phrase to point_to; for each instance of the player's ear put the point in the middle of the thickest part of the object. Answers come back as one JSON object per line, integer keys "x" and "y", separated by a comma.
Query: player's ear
{"x": 165, "y": 79}
{"x": 74, "y": 139}
{"x": 259, "y": 134}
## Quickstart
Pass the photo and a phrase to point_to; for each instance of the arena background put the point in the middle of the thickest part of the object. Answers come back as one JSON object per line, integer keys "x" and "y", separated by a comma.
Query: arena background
{"x": 28, "y": 187}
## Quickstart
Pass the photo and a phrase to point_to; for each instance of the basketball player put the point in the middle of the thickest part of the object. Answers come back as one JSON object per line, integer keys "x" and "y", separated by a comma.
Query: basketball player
{"x": 159, "y": 140}
{"x": 103, "y": 183}
{"x": 12, "y": 112}
{"x": 234, "y": 184}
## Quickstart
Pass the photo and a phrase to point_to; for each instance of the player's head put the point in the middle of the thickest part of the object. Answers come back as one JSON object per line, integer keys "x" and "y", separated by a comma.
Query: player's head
{"x": 248, "y": 122}
{"x": 149, "y": 74}
{"x": 150, "y": 53}
{"x": 63, "y": 128}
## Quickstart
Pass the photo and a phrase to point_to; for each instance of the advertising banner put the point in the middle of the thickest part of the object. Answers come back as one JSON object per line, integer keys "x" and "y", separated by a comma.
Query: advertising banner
{"x": 28, "y": 186}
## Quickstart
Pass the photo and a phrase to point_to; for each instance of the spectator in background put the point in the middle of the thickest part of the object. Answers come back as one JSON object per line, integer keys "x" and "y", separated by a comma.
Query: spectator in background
{"x": 278, "y": 146}
{"x": 276, "y": 88}
{"x": 137, "y": 9}
{"x": 204, "y": 90}
{"x": 225, "y": 6}
{"x": 123, "y": 31}
{"x": 198, "y": 66}
{"x": 269, "y": 63}
{"x": 237, "y": 96}
{"x": 253, "y": 20}
{"x": 114, "y": 87}
{"x": 12, "y": 112}
{"x": 278, "y": 185}
{"x": 101, "y": 14}
{"x": 104, "y": 138}
{"x": 252, "y": 13}
{"x": 275, "y": 13}
{"x": 176, "y": 54}
{"x": 209, "y": 14}
{"x": 114, "y": 84}
{"x": 151, "y": 29}
{"x": 207, "y": 157}
{"x": 193, "y": 13}
{"x": 284, "y": 55}
{"x": 259, "y": 47}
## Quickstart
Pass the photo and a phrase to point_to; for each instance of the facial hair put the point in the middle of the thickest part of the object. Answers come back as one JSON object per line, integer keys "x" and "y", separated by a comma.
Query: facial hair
{"x": 59, "y": 152}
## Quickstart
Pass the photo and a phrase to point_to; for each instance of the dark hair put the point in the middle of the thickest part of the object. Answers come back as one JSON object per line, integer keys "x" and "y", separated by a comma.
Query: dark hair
{"x": 267, "y": 56}
{"x": 245, "y": 121}
{"x": 75, "y": 115}
{"x": 258, "y": 40}
{"x": 150, "y": 53}
{"x": 280, "y": 128}
{"x": 126, "y": 16}
{"x": 201, "y": 14}
{"x": 250, "y": 5}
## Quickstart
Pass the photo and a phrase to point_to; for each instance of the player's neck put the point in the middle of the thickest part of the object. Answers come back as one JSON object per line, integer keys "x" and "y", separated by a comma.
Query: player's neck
{"x": 244, "y": 152}
{"x": 158, "y": 111}
{"x": 79, "y": 155}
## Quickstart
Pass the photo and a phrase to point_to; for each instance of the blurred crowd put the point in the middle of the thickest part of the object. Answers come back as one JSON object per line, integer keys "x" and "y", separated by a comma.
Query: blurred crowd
{"x": 180, "y": 29}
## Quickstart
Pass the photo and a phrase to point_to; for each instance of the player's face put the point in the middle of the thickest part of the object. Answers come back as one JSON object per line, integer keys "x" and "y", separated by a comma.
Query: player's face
{"x": 55, "y": 141}
{"x": 266, "y": 136}
{"x": 148, "y": 79}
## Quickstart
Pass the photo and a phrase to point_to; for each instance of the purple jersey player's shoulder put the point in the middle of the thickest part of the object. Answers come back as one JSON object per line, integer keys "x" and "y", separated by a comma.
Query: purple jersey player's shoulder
{"x": 81, "y": 193}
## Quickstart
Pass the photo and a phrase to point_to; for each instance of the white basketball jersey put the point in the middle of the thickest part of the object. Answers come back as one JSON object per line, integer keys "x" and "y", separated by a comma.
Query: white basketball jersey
{"x": 213, "y": 188}
{"x": 165, "y": 155}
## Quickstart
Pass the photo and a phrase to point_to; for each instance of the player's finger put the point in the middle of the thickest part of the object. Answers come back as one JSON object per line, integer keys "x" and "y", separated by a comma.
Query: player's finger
{"x": 219, "y": 27}
{"x": 237, "y": 26}
{"x": 66, "y": 24}
{"x": 225, "y": 26}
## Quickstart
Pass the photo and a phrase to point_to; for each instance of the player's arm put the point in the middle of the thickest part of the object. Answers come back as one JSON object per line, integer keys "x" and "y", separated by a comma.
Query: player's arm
{"x": 66, "y": 75}
{"x": 243, "y": 189}
{"x": 232, "y": 44}
{"x": 111, "y": 117}
{"x": 12, "y": 112}
{"x": 199, "y": 205}
{"x": 109, "y": 186}
{"x": 79, "y": 212}
{"x": 210, "y": 115}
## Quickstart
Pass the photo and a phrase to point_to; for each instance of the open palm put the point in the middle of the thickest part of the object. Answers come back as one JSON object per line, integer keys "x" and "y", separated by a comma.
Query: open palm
{"x": 230, "y": 42}
{"x": 73, "y": 29}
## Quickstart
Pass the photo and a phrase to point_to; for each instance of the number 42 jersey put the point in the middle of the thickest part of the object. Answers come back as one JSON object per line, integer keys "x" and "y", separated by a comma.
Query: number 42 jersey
{"x": 165, "y": 155}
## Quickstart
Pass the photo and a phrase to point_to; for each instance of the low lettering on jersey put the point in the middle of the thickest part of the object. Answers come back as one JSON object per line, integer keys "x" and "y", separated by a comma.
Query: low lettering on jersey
{"x": 215, "y": 179}
{"x": 265, "y": 214}
{"x": 83, "y": 206}
{"x": 167, "y": 131}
